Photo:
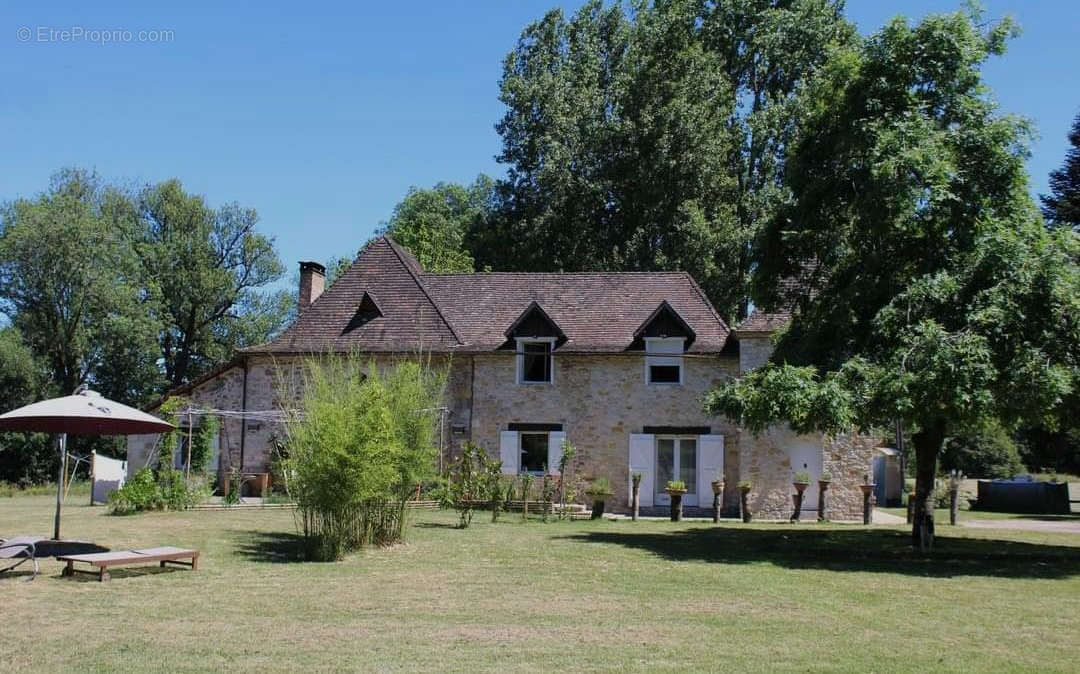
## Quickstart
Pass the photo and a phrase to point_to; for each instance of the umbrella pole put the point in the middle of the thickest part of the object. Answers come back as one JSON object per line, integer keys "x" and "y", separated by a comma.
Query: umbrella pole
{"x": 62, "y": 442}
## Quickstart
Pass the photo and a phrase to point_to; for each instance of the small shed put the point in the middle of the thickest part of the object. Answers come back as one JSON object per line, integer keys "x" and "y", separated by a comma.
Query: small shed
{"x": 888, "y": 480}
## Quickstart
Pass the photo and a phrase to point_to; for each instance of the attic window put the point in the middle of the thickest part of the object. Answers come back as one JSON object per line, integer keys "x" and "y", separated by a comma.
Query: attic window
{"x": 367, "y": 312}
{"x": 664, "y": 361}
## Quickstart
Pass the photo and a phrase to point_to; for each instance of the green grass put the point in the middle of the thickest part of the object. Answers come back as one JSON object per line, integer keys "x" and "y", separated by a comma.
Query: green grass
{"x": 569, "y": 596}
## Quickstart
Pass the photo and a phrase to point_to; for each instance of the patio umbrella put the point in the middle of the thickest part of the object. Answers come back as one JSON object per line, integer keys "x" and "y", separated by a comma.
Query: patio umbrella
{"x": 85, "y": 413}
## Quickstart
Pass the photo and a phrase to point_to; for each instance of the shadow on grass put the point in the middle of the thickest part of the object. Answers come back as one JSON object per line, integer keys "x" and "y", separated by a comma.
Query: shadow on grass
{"x": 435, "y": 525}
{"x": 868, "y": 550}
{"x": 271, "y": 546}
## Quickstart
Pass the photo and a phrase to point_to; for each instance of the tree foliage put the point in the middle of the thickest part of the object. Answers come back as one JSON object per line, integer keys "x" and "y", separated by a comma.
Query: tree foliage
{"x": 1062, "y": 206}
{"x": 206, "y": 267}
{"x": 930, "y": 291}
{"x": 70, "y": 281}
{"x": 434, "y": 223}
{"x": 652, "y": 139}
{"x": 25, "y": 458}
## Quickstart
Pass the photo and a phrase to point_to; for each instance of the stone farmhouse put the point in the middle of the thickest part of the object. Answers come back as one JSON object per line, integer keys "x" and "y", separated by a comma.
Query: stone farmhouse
{"x": 614, "y": 363}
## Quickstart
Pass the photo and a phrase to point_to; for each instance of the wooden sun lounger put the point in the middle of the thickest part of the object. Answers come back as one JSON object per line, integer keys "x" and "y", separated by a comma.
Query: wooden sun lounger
{"x": 104, "y": 560}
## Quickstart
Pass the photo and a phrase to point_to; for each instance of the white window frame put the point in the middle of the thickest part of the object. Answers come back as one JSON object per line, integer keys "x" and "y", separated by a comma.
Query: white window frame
{"x": 520, "y": 357}
{"x": 664, "y": 351}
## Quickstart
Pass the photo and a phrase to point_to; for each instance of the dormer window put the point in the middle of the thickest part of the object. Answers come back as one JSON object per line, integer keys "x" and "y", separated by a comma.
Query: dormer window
{"x": 534, "y": 364}
{"x": 664, "y": 360}
{"x": 365, "y": 313}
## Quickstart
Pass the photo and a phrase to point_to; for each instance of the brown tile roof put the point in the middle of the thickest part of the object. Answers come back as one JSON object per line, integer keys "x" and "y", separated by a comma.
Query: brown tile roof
{"x": 598, "y": 312}
{"x": 410, "y": 320}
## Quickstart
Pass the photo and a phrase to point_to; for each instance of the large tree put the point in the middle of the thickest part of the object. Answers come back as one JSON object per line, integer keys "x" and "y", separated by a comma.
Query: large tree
{"x": 70, "y": 280}
{"x": 930, "y": 290}
{"x": 1062, "y": 206}
{"x": 434, "y": 223}
{"x": 24, "y": 457}
{"x": 652, "y": 138}
{"x": 207, "y": 269}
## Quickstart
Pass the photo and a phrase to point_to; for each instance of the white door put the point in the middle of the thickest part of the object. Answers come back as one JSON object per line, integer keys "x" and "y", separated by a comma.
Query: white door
{"x": 676, "y": 459}
{"x": 643, "y": 462}
{"x": 806, "y": 455}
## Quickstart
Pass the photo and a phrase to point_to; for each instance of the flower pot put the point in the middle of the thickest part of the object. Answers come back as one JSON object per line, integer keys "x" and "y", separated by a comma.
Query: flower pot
{"x": 718, "y": 487}
{"x": 800, "y": 486}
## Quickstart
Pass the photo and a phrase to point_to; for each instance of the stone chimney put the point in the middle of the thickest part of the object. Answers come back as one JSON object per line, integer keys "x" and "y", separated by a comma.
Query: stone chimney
{"x": 312, "y": 283}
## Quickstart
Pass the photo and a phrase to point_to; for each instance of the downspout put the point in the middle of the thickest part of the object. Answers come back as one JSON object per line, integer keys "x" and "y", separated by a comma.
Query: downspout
{"x": 243, "y": 417}
{"x": 472, "y": 394}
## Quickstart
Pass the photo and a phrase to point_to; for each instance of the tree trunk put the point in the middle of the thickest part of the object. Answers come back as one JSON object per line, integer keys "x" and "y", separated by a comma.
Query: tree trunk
{"x": 928, "y": 442}
{"x": 954, "y": 504}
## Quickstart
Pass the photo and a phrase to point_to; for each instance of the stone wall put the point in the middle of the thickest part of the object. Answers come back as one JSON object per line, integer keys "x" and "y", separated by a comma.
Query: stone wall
{"x": 767, "y": 464}
{"x": 599, "y": 400}
{"x": 754, "y": 350}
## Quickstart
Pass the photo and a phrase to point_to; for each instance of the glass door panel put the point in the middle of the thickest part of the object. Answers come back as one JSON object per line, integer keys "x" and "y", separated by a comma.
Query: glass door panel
{"x": 665, "y": 469}
{"x": 688, "y": 466}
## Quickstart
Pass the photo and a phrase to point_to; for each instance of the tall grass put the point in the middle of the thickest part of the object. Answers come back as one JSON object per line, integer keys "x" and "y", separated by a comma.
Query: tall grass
{"x": 356, "y": 448}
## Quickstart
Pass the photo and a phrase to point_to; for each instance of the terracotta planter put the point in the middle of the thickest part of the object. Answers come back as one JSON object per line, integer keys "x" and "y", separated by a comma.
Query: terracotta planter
{"x": 718, "y": 487}
{"x": 800, "y": 486}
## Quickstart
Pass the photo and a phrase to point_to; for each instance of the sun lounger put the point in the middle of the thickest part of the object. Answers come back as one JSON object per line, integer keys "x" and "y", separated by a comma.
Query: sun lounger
{"x": 103, "y": 560}
{"x": 20, "y": 546}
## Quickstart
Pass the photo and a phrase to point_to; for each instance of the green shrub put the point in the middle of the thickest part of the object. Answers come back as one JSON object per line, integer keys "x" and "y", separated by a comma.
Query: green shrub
{"x": 600, "y": 489}
{"x": 163, "y": 489}
{"x": 802, "y": 477}
{"x": 676, "y": 485}
{"x": 467, "y": 481}
{"x": 202, "y": 444}
{"x": 987, "y": 452}
{"x": 826, "y": 476}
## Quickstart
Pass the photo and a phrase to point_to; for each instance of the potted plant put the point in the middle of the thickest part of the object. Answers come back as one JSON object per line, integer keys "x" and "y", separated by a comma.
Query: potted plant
{"x": 744, "y": 496}
{"x": 676, "y": 489}
{"x": 801, "y": 481}
{"x": 600, "y": 492}
{"x": 823, "y": 485}
{"x": 718, "y": 495}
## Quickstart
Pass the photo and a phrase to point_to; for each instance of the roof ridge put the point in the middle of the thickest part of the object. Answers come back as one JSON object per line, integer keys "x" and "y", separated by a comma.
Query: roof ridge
{"x": 551, "y": 273}
{"x": 423, "y": 288}
{"x": 705, "y": 298}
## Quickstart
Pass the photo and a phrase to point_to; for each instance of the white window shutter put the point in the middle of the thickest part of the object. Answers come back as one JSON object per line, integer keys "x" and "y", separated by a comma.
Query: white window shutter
{"x": 643, "y": 460}
{"x": 710, "y": 463}
{"x": 509, "y": 452}
{"x": 555, "y": 442}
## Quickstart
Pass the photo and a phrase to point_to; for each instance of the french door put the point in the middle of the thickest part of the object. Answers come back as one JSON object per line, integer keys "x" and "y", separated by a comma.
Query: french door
{"x": 676, "y": 459}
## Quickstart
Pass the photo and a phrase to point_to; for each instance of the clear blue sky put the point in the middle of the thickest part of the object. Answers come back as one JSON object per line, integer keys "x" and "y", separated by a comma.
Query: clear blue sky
{"x": 321, "y": 115}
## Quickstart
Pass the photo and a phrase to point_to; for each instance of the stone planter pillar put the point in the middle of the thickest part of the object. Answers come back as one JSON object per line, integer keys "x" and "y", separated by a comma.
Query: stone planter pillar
{"x": 635, "y": 498}
{"x": 797, "y": 498}
{"x": 676, "y": 503}
{"x": 744, "y": 505}
{"x": 867, "y": 505}
{"x": 717, "y": 499}
{"x": 823, "y": 487}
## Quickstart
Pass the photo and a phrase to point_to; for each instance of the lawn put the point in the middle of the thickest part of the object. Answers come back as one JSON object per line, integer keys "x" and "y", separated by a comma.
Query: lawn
{"x": 569, "y": 596}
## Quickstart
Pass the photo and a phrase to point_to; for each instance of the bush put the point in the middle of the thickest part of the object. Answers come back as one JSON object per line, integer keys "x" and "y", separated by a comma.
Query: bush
{"x": 802, "y": 477}
{"x": 342, "y": 452}
{"x": 163, "y": 489}
{"x": 676, "y": 485}
{"x": 987, "y": 452}
{"x": 202, "y": 444}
